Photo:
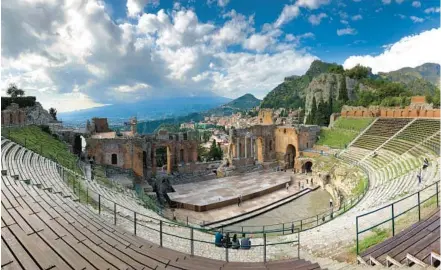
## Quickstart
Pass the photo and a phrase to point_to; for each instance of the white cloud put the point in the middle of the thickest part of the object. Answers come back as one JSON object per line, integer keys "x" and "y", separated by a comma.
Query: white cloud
{"x": 74, "y": 49}
{"x": 312, "y": 4}
{"x": 220, "y": 3}
{"x": 416, "y": 19}
{"x": 410, "y": 51}
{"x": 289, "y": 12}
{"x": 431, "y": 10}
{"x": 401, "y": 16}
{"x": 344, "y": 21}
{"x": 132, "y": 88}
{"x": 346, "y": 31}
{"x": 316, "y": 19}
{"x": 357, "y": 17}
{"x": 386, "y": 2}
{"x": 416, "y": 4}
{"x": 135, "y": 7}
{"x": 378, "y": 10}
{"x": 257, "y": 42}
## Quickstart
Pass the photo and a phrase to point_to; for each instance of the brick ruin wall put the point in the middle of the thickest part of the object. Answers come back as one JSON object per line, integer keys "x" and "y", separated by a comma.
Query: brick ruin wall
{"x": 139, "y": 154}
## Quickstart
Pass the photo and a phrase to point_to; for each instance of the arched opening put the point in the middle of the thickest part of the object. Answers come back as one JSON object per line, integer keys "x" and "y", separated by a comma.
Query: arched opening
{"x": 240, "y": 154}
{"x": 181, "y": 155}
{"x": 77, "y": 147}
{"x": 114, "y": 159}
{"x": 290, "y": 156}
{"x": 259, "y": 149}
{"x": 161, "y": 156}
{"x": 271, "y": 145}
{"x": 307, "y": 167}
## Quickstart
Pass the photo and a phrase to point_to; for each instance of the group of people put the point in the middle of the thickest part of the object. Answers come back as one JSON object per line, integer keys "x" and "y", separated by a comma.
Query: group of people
{"x": 225, "y": 241}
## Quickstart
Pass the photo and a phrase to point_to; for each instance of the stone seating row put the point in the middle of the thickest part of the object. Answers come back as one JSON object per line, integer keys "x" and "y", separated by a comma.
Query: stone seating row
{"x": 414, "y": 245}
{"x": 55, "y": 230}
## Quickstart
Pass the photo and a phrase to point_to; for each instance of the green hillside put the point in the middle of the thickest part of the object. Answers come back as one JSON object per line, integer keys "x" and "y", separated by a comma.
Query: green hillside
{"x": 343, "y": 132}
{"x": 34, "y": 138}
{"x": 428, "y": 72}
{"x": 244, "y": 102}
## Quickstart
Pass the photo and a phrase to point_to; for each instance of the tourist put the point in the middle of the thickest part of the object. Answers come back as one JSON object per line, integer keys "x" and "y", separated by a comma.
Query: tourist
{"x": 287, "y": 186}
{"x": 218, "y": 239}
{"x": 235, "y": 242}
{"x": 426, "y": 163}
{"x": 331, "y": 203}
{"x": 307, "y": 181}
{"x": 419, "y": 178}
{"x": 292, "y": 227}
{"x": 227, "y": 242}
{"x": 299, "y": 184}
{"x": 245, "y": 242}
{"x": 312, "y": 181}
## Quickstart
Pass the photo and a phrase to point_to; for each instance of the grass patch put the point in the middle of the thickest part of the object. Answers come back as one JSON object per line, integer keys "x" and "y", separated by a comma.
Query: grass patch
{"x": 378, "y": 236}
{"x": 43, "y": 143}
{"x": 336, "y": 138}
{"x": 360, "y": 188}
{"x": 354, "y": 124}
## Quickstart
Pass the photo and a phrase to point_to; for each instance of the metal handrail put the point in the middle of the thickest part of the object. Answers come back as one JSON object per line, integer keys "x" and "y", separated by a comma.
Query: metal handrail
{"x": 393, "y": 216}
{"x": 296, "y": 225}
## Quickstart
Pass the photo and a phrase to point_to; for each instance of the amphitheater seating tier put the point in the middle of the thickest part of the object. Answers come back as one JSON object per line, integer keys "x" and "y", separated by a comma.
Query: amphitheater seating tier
{"x": 416, "y": 242}
{"x": 379, "y": 132}
{"x": 45, "y": 226}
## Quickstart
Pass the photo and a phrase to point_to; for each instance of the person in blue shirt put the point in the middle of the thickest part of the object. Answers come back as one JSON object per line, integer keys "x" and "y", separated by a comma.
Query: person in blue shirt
{"x": 218, "y": 239}
{"x": 245, "y": 242}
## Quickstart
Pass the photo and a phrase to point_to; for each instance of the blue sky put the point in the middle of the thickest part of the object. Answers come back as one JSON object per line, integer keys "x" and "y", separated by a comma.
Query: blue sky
{"x": 78, "y": 55}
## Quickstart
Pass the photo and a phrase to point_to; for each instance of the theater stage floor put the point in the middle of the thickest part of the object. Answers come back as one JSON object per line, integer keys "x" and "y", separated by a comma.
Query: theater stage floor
{"x": 246, "y": 206}
{"x": 221, "y": 192}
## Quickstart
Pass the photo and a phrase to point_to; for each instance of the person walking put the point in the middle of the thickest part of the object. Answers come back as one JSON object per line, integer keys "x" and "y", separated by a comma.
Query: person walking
{"x": 331, "y": 203}
{"x": 287, "y": 186}
{"x": 419, "y": 178}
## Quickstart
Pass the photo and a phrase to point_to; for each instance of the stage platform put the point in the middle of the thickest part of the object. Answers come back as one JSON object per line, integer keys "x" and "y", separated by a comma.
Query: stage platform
{"x": 217, "y": 193}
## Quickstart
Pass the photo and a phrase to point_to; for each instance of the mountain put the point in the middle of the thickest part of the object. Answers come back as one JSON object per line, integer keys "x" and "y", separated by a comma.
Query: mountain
{"x": 144, "y": 110}
{"x": 245, "y": 102}
{"x": 429, "y": 72}
{"x": 291, "y": 93}
{"x": 329, "y": 87}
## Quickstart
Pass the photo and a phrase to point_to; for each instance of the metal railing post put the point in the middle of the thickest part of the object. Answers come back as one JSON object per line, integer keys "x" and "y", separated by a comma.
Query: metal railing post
{"x": 99, "y": 204}
{"x": 114, "y": 213}
{"x": 192, "y": 242}
{"x": 283, "y": 228}
{"x": 134, "y": 223}
{"x": 301, "y": 222}
{"x": 419, "y": 207}
{"x": 87, "y": 194}
{"x": 356, "y": 231}
{"x": 437, "y": 197}
{"x": 226, "y": 252}
{"x": 393, "y": 221}
{"x": 160, "y": 233}
{"x": 264, "y": 247}
{"x": 317, "y": 220}
{"x": 298, "y": 245}
{"x": 187, "y": 220}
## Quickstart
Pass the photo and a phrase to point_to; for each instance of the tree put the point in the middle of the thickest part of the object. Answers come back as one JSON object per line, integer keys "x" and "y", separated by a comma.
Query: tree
{"x": 215, "y": 152}
{"x": 14, "y": 91}
{"x": 53, "y": 113}
{"x": 358, "y": 72}
{"x": 312, "y": 114}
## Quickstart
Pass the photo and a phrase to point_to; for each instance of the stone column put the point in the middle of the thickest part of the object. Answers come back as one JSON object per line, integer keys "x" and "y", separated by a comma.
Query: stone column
{"x": 237, "y": 147}
{"x": 252, "y": 147}
{"x": 246, "y": 150}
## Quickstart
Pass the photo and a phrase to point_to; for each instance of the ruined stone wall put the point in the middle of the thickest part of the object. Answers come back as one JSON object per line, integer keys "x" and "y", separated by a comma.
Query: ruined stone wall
{"x": 13, "y": 115}
{"x": 393, "y": 113}
{"x": 100, "y": 125}
{"x": 266, "y": 117}
{"x": 139, "y": 154}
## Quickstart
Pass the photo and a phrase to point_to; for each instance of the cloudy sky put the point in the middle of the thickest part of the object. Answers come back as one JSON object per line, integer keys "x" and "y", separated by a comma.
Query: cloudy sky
{"x": 76, "y": 54}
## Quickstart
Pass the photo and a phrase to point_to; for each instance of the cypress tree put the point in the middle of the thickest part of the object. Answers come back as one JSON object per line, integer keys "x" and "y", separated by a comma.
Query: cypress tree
{"x": 313, "y": 112}
{"x": 342, "y": 92}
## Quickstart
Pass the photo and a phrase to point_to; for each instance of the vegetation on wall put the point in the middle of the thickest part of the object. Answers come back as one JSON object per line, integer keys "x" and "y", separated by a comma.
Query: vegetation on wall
{"x": 21, "y": 101}
{"x": 215, "y": 152}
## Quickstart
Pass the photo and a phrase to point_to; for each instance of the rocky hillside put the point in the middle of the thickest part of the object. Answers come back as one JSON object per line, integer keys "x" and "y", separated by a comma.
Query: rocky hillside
{"x": 330, "y": 87}
{"x": 291, "y": 93}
